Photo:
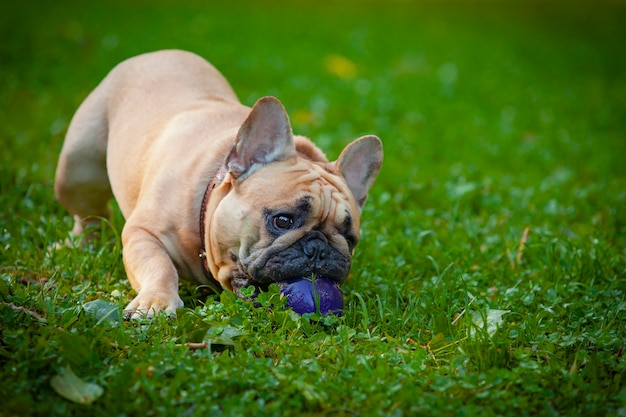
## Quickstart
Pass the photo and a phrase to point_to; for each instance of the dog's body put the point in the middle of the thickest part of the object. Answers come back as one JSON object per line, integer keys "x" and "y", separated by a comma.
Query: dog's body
{"x": 163, "y": 126}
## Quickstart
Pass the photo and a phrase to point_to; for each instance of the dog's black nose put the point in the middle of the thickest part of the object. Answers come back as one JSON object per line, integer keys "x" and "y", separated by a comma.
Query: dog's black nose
{"x": 315, "y": 246}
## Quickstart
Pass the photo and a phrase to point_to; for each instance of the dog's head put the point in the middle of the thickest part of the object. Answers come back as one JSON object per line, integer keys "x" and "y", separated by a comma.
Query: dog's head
{"x": 284, "y": 211}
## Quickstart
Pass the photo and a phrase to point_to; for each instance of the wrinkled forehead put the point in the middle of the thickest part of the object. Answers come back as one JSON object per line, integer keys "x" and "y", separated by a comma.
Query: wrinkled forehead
{"x": 304, "y": 185}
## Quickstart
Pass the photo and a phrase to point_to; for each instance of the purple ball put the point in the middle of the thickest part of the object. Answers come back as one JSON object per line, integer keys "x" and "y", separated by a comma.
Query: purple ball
{"x": 302, "y": 294}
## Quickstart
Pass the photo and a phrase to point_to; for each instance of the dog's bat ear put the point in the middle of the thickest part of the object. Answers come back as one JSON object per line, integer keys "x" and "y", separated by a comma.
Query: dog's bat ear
{"x": 263, "y": 138}
{"x": 359, "y": 163}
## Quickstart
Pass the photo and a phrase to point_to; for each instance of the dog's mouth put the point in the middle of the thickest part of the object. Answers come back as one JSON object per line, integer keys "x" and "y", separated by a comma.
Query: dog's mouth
{"x": 311, "y": 255}
{"x": 271, "y": 274}
{"x": 242, "y": 281}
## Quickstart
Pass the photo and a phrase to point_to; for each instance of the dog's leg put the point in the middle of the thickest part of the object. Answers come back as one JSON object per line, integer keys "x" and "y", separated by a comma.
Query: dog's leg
{"x": 151, "y": 273}
{"x": 81, "y": 182}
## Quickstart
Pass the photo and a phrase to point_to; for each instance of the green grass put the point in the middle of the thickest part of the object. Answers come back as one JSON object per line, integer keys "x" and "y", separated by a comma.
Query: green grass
{"x": 495, "y": 117}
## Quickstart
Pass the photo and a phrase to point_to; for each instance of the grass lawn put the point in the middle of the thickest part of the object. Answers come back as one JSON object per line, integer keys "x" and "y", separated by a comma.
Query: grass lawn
{"x": 491, "y": 274}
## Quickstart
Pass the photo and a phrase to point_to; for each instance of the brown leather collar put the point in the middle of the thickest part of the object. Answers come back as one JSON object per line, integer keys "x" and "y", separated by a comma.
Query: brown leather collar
{"x": 215, "y": 181}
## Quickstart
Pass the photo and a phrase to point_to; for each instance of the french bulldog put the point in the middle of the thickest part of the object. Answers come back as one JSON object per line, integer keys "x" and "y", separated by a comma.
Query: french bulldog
{"x": 210, "y": 190}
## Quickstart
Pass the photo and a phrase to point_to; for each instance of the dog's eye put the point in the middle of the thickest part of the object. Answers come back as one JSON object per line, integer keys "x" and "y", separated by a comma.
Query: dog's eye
{"x": 283, "y": 222}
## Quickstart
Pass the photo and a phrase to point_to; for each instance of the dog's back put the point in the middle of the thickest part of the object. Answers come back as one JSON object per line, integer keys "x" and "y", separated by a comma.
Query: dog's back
{"x": 129, "y": 115}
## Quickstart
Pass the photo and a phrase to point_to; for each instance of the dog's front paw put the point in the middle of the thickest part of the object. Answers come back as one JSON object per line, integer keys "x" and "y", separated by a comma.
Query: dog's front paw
{"x": 149, "y": 302}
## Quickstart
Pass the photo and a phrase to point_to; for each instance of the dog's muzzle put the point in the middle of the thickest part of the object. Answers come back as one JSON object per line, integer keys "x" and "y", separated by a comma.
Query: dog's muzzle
{"x": 310, "y": 255}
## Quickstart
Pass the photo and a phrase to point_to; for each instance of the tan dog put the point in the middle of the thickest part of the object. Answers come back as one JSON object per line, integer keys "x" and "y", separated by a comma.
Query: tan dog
{"x": 195, "y": 172}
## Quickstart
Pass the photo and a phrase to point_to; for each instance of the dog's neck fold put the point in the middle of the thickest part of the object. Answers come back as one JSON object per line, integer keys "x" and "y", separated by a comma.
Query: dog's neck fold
{"x": 208, "y": 205}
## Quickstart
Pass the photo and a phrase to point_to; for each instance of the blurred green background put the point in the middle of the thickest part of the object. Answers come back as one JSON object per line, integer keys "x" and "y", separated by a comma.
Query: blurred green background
{"x": 487, "y": 84}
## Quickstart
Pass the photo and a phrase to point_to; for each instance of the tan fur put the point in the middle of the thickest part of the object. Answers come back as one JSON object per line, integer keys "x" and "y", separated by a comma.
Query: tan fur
{"x": 152, "y": 135}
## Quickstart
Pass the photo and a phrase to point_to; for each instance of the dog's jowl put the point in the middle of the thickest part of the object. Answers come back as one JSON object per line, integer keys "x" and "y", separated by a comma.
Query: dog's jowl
{"x": 210, "y": 189}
